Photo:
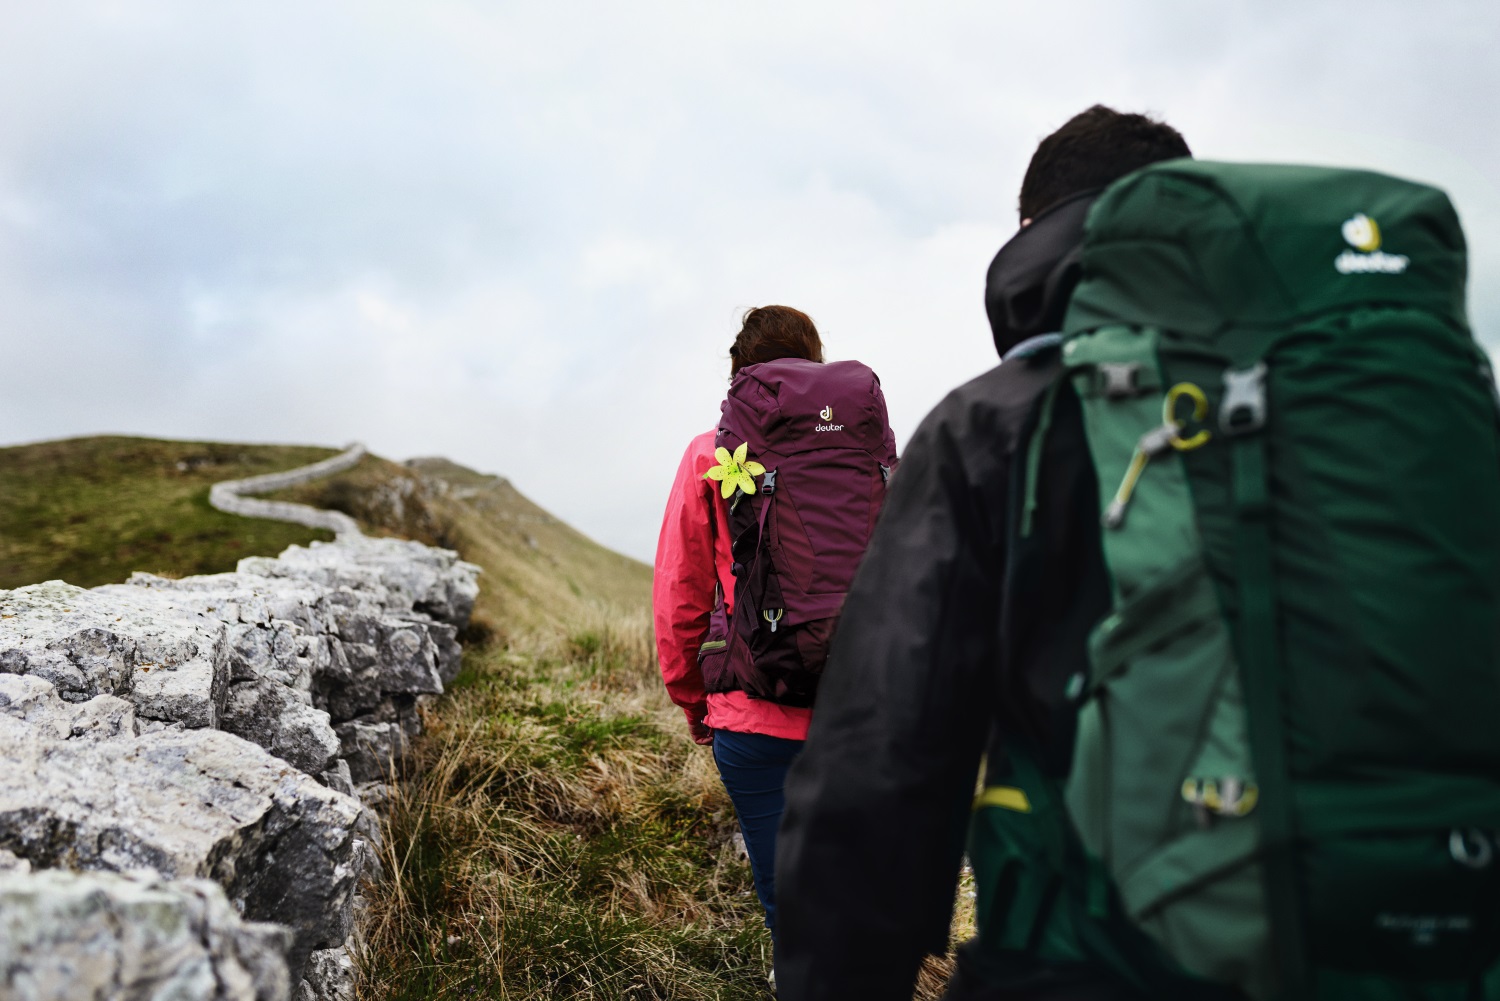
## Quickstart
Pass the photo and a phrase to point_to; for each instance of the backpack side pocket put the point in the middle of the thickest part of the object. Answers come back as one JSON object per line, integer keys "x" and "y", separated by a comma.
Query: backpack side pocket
{"x": 713, "y": 652}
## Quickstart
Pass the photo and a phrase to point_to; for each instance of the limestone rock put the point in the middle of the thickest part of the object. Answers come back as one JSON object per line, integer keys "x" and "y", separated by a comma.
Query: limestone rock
{"x": 377, "y": 657}
{"x": 170, "y": 662}
{"x": 291, "y": 640}
{"x": 450, "y": 653}
{"x": 338, "y": 778}
{"x": 35, "y": 701}
{"x": 188, "y": 803}
{"x": 432, "y": 581}
{"x": 328, "y": 976}
{"x": 277, "y": 635}
{"x": 372, "y": 749}
{"x": 274, "y": 717}
{"x": 80, "y": 937}
{"x": 122, "y": 713}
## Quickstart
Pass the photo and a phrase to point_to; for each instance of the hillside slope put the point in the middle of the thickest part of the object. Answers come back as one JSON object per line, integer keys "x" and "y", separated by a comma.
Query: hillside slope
{"x": 556, "y": 832}
{"x": 538, "y": 571}
{"x": 92, "y": 510}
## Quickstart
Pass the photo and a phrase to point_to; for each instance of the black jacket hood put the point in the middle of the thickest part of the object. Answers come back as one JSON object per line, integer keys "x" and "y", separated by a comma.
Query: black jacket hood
{"x": 1033, "y": 276}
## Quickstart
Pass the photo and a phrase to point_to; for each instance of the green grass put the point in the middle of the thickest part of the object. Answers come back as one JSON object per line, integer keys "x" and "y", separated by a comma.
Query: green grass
{"x": 559, "y": 836}
{"x": 92, "y": 510}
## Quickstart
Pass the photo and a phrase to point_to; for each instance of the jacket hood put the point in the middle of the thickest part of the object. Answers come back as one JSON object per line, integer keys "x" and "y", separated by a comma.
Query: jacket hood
{"x": 1032, "y": 277}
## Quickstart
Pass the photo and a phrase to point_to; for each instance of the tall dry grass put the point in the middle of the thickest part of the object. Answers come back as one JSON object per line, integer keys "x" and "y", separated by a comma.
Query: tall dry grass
{"x": 557, "y": 835}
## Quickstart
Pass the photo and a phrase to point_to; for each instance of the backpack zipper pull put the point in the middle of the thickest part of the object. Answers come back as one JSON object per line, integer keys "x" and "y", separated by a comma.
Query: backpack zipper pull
{"x": 773, "y": 616}
{"x": 1156, "y": 441}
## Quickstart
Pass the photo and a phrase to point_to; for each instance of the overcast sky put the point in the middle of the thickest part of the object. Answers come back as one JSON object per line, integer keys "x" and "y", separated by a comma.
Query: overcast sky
{"x": 521, "y": 235}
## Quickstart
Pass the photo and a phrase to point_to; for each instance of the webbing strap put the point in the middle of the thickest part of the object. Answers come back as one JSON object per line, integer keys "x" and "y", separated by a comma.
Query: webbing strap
{"x": 1034, "y": 456}
{"x": 1261, "y": 670}
{"x": 1033, "y": 897}
{"x": 768, "y": 497}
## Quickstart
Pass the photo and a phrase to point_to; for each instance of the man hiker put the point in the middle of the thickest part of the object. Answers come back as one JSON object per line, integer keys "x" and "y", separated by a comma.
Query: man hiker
{"x": 1207, "y": 573}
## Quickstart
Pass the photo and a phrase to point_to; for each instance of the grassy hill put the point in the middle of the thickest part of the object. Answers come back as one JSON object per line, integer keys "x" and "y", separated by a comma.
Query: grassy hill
{"x": 539, "y": 573}
{"x": 555, "y": 832}
{"x": 91, "y": 510}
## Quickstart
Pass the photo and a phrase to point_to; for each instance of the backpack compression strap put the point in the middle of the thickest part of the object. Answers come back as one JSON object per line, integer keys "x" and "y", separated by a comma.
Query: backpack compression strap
{"x": 1242, "y": 417}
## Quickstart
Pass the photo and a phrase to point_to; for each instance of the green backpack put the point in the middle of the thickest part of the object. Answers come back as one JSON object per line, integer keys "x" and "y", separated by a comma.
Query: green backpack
{"x": 1286, "y": 775}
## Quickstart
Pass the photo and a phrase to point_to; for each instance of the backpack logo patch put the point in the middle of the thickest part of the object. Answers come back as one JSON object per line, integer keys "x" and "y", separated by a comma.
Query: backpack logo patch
{"x": 1363, "y": 234}
{"x": 827, "y": 414}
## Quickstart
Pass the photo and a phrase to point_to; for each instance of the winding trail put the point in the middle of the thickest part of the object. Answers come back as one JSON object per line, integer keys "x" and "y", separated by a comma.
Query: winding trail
{"x": 230, "y": 495}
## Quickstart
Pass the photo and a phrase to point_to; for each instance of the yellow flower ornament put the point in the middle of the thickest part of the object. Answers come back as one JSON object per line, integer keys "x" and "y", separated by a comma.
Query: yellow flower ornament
{"x": 734, "y": 471}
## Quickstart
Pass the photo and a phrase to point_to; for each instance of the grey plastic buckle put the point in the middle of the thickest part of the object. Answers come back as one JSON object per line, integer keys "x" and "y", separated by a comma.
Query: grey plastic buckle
{"x": 1471, "y": 848}
{"x": 768, "y": 485}
{"x": 1244, "y": 406}
{"x": 885, "y": 473}
{"x": 1120, "y": 378}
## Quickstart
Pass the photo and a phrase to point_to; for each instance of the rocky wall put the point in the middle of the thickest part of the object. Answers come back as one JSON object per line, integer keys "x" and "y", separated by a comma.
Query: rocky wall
{"x": 184, "y": 767}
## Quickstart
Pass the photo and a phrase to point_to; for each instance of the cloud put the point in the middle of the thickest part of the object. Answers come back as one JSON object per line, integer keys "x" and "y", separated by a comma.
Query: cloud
{"x": 520, "y": 235}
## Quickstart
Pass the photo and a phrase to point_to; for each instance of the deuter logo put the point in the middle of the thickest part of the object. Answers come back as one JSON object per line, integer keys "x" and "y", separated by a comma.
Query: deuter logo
{"x": 827, "y": 414}
{"x": 1363, "y": 233}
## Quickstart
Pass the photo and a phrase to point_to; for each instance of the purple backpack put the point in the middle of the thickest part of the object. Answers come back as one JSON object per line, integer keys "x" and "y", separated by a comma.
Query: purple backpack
{"x": 819, "y": 452}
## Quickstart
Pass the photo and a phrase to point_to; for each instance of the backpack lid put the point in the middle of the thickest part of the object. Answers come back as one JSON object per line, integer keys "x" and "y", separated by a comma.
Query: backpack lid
{"x": 1197, "y": 247}
{"x": 1027, "y": 287}
{"x": 793, "y": 405}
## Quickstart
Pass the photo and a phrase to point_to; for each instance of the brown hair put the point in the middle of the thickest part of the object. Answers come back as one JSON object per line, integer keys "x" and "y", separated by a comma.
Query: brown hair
{"x": 771, "y": 332}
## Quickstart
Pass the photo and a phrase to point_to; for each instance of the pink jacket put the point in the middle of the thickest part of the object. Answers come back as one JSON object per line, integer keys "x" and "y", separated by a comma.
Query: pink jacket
{"x": 692, "y": 555}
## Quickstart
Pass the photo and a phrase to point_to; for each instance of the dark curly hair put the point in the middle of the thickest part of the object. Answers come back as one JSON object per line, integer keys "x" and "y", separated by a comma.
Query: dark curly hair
{"x": 1092, "y": 149}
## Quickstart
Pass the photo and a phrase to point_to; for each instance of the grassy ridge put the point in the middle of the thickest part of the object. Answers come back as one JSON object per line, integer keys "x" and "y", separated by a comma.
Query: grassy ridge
{"x": 556, "y": 835}
{"x": 92, "y": 510}
{"x": 540, "y": 575}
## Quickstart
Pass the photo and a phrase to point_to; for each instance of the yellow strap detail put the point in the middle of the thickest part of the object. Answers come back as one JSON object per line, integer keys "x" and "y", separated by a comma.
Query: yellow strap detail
{"x": 1005, "y": 797}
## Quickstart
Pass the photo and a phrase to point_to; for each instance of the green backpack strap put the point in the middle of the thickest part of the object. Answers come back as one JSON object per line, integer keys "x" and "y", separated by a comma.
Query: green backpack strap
{"x": 1243, "y": 416}
{"x": 1034, "y": 449}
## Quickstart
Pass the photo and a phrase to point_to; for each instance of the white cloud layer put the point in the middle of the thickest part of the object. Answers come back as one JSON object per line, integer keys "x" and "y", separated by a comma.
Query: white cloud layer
{"x": 521, "y": 234}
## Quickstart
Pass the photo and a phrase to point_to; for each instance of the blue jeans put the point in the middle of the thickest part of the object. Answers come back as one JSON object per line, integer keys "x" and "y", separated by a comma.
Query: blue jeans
{"x": 753, "y": 767}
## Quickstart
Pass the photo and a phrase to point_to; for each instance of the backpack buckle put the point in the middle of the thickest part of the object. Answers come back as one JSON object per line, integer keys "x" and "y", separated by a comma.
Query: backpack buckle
{"x": 1121, "y": 379}
{"x": 1244, "y": 406}
{"x": 768, "y": 484}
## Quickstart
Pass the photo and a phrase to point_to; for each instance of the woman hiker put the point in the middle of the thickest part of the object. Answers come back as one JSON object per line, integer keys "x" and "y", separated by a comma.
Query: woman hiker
{"x": 765, "y": 524}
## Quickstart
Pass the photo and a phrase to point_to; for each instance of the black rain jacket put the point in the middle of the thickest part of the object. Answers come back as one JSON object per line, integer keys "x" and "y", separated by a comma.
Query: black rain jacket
{"x": 949, "y": 644}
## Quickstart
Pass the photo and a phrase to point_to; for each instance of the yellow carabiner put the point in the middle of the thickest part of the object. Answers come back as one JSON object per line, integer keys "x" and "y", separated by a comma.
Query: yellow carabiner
{"x": 1169, "y": 415}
